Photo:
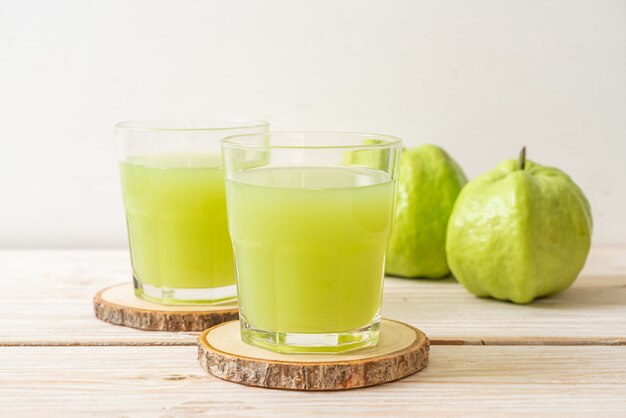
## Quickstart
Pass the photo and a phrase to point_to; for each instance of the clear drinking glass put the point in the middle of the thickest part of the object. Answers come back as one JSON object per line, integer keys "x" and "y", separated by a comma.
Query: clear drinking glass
{"x": 174, "y": 197}
{"x": 310, "y": 216}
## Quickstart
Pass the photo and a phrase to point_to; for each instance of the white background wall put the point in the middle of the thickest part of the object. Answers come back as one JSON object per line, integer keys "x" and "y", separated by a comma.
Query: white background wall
{"x": 480, "y": 78}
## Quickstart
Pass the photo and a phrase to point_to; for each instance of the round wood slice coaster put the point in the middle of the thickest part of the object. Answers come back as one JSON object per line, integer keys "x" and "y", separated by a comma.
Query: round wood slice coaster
{"x": 118, "y": 305}
{"x": 402, "y": 351}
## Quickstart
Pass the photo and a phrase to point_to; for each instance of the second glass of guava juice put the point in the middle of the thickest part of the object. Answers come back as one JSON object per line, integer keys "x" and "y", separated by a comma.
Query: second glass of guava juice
{"x": 310, "y": 216}
{"x": 175, "y": 204}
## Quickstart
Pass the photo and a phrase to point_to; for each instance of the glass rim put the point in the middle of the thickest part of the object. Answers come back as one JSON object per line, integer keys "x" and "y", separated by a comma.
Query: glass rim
{"x": 388, "y": 141}
{"x": 160, "y": 125}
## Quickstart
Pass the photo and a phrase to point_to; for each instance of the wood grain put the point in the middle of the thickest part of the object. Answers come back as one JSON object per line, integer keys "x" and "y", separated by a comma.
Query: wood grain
{"x": 46, "y": 300}
{"x": 402, "y": 351}
{"x": 168, "y": 382}
{"x": 118, "y": 305}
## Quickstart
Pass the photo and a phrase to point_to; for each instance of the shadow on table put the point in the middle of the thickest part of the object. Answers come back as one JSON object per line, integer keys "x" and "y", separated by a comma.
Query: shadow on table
{"x": 605, "y": 291}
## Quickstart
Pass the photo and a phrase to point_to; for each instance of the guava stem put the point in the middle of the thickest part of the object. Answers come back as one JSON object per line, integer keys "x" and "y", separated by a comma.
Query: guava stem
{"x": 522, "y": 158}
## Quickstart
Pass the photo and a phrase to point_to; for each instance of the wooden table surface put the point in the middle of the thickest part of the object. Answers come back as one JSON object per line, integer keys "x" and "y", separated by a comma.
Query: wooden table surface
{"x": 560, "y": 356}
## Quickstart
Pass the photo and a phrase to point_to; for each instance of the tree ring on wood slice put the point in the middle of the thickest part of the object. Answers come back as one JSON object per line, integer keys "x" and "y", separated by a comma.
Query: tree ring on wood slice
{"x": 118, "y": 305}
{"x": 401, "y": 351}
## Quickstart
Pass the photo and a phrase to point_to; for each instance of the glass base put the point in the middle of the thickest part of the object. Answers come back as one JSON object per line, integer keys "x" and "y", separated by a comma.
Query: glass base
{"x": 320, "y": 343}
{"x": 193, "y": 296}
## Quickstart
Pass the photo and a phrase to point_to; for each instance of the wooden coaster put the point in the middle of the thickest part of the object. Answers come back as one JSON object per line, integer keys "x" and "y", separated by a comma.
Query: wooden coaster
{"x": 118, "y": 305}
{"x": 402, "y": 351}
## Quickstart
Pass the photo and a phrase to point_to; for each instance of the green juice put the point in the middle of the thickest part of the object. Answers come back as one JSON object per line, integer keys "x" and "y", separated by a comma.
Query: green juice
{"x": 310, "y": 245}
{"x": 176, "y": 214}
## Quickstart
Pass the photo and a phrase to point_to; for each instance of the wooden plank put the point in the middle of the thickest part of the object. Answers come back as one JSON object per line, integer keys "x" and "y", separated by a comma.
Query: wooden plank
{"x": 46, "y": 300}
{"x": 48, "y": 295}
{"x": 588, "y": 313}
{"x": 167, "y": 381}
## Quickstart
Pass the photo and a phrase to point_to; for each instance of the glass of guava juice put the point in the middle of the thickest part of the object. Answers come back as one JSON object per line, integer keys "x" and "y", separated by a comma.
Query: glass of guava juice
{"x": 175, "y": 204}
{"x": 309, "y": 216}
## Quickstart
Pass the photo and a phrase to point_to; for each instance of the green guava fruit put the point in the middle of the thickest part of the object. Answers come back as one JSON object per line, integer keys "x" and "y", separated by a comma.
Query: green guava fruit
{"x": 428, "y": 185}
{"x": 519, "y": 232}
